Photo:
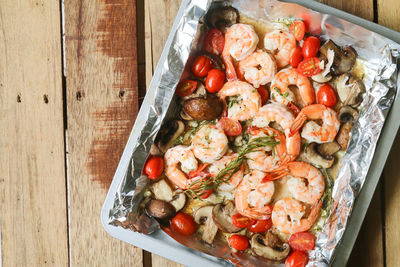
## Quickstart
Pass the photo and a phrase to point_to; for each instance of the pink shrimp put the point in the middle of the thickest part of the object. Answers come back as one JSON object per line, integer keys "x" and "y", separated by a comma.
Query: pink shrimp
{"x": 312, "y": 131}
{"x": 236, "y": 178}
{"x": 280, "y": 114}
{"x": 281, "y": 93}
{"x": 287, "y": 216}
{"x": 240, "y": 41}
{"x": 281, "y": 44}
{"x": 252, "y": 196}
{"x": 258, "y": 69}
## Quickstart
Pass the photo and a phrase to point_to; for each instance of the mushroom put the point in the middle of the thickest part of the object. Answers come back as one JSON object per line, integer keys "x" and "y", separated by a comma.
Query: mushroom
{"x": 160, "y": 209}
{"x": 168, "y": 133}
{"x": 162, "y": 190}
{"x": 269, "y": 246}
{"x": 200, "y": 92}
{"x": 343, "y": 136}
{"x": 319, "y": 78}
{"x": 324, "y": 76}
{"x": 344, "y": 58}
{"x": 347, "y": 114}
{"x": 328, "y": 149}
{"x": 314, "y": 156}
{"x": 178, "y": 201}
{"x": 204, "y": 216}
{"x": 349, "y": 89}
{"x": 222, "y": 216}
{"x": 222, "y": 17}
{"x": 203, "y": 108}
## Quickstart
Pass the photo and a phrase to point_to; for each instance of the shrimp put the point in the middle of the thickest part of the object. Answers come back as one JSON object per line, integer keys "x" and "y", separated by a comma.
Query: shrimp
{"x": 259, "y": 159}
{"x": 249, "y": 100}
{"x": 252, "y": 196}
{"x": 281, "y": 93}
{"x": 236, "y": 178}
{"x": 240, "y": 41}
{"x": 183, "y": 155}
{"x": 209, "y": 143}
{"x": 258, "y": 69}
{"x": 281, "y": 44}
{"x": 312, "y": 131}
{"x": 287, "y": 216}
{"x": 280, "y": 114}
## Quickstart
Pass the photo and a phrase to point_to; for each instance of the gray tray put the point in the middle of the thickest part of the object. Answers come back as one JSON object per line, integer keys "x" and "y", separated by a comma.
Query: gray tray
{"x": 163, "y": 245}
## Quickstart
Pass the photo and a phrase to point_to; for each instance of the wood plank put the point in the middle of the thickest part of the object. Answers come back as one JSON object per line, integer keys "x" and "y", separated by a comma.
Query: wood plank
{"x": 389, "y": 13}
{"x": 157, "y": 27}
{"x": 361, "y": 8}
{"x": 102, "y": 104}
{"x": 33, "y": 210}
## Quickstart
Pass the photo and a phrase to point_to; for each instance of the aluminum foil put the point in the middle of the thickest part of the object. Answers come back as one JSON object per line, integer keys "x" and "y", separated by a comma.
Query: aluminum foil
{"x": 379, "y": 57}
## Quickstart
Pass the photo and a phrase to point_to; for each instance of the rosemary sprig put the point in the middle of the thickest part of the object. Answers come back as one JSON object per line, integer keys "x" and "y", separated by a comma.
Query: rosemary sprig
{"x": 198, "y": 188}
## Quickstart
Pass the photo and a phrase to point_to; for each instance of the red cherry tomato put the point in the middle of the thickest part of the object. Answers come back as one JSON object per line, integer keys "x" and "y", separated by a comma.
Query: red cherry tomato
{"x": 230, "y": 127}
{"x": 203, "y": 177}
{"x": 303, "y": 241}
{"x": 186, "y": 87}
{"x": 296, "y": 57}
{"x": 238, "y": 242}
{"x": 298, "y": 28}
{"x": 311, "y": 47}
{"x": 184, "y": 224}
{"x": 215, "y": 80}
{"x": 214, "y": 42}
{"x": 201, "y": 66}
{"x": 201, "y": 168}
{"x": 313, "y": 26}
{"x": 297, "y": 259}
{"x": 241, "y": 221}
{"x": 260, "y": 226}
{"x": 309, "y": 66}
{"x": 263, "y": 93}
{"x": 327, "y": 96}
{"x": 154, "y": 167}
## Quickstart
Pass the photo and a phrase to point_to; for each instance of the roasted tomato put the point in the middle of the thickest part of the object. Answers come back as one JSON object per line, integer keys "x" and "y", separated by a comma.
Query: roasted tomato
{"x": 296, "y": 57}
{"x": 239, "y": 242}
{"x": 309, "y": 66}
{"x": 154, "y": 167}
{"x": 241, "y": 221}
{"x": 201, "y": 66}
{"x": 311, "y": 47}
{"x": 263, "y": 93}
{"x": 214, "y": 42}
{"x": 297, "y": 259}
{"x": 215, "y": 80}
{"x": 303, "y": 241}
{"x": 327, "y": 96}
{"x": 201, "y": 168}
{"x": 186, "y": 87}
{"x": 313, "y": 26}
{"x": 260, "y": 226}
{"x": 230, "y": 127}
{"x": 298, "y": 29}
{"x": 184, "y": 224}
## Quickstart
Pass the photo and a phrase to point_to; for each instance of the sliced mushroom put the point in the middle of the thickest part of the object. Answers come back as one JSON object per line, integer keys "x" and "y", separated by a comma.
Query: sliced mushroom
{"x": 160, "y": 209}
{"x": 222, "y": 17}
{"x": 222, "y": 216}
{"x": 328, "y": 149}
{"x": 344, "y": 58}
{"x": 343, "y": 136}
{"x": 200, "y": 92}
{"x": 204, "y": 216}
{"x": 347, "y": 114}
{"x": 313, "y": 156}
{"x": 178, "y": 201}
{"x": 319, "y": 78}
{"x": 162, "y": 190}
{"x": 269, "y": 246}
{"x": 350, "y": 89}
{"x": 168, "y": 133}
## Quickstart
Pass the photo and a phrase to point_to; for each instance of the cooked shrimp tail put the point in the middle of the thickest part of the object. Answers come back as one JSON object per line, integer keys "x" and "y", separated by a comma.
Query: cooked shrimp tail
{"x": 297, "y": 124}
{"x": 275, "y": 175}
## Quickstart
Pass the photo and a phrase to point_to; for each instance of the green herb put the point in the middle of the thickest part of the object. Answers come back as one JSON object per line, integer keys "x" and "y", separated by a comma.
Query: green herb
{"x": 178, "y": 141}
{"x": 232, "y": 101}
{"x": 197, "y": 188}
{"x": 285, "y": 21}
{"x": 363, "y": 76}
{"x": 285, "y": 94}
{"x": 277, "y": 90}
{"x": 313, "y": 63}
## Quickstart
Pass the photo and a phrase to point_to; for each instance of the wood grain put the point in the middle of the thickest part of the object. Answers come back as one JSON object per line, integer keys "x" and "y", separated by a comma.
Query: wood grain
{"x": 389, "y": 13}
{"x": 102, "y": 105}
{"x": 33, "y": 210}
{"x": 361, "y": 8}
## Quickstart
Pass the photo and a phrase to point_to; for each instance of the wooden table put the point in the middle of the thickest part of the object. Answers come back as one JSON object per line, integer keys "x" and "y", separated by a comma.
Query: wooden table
{"x": 63, "y": 129}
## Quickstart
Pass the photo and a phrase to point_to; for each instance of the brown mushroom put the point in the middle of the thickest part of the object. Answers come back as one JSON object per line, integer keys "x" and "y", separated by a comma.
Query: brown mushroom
{"x": 344, "y": 58}
{"x": 200, "y": 91}
{"x": 160, "y": 209}
{"x": 350, "y": 89}
{"x": 222, "y": 216}
{"x": 162, "y": 190}
{"x": 168, "y": 133}
{"x": 343, "y": 136}
{"x": 200, "y": 108}
{"x": 178, "y": 201}
{"x": 269, "y": 246}
{"x": 328, "y": 149}
{"x": 222, "y": 17}
{"x": 314, "y": 156}
{"x": 204, "y": 216}
{"x": 347, "y": 114}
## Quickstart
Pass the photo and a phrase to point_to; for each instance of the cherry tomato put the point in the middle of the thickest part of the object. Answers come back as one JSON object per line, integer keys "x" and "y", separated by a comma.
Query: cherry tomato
{"x": 215, "y": 80}
{"x": 186, "y": 87}
{"x": 303, "y": 241}
{"x": 260, "y": 226}
{"x": 313, "y": 25}
{"x": 199, "y": 170}
{"x": 327, "y": 96}
{"x": 311, "y": 47}
{"x": 238, "y": 242}
{"x": 214, "y": 42}
{"x": 263, "y": 93}
{"x": 230, "y": 127}
{"x": 203, "y": 177}
{"x": 154, "y": 167}
{"x": 184, "y": 224}
{"x": 296, "y": 57}
{"x": 297, "y": 259}
{"x": 201, "y": 66}
{"x": 298, "y": 28}
{"x": 309, "y": 66}
{"x": 241, "y": 221}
